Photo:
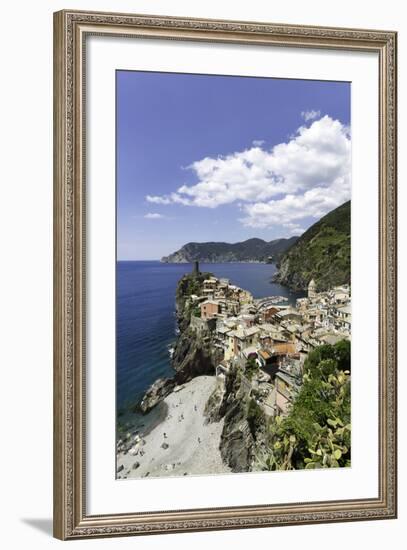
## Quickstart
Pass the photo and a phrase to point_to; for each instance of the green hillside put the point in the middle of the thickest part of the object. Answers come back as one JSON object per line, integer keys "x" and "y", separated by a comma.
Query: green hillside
{"x": 252, "y": 250}
{"x": 322, "y": 253}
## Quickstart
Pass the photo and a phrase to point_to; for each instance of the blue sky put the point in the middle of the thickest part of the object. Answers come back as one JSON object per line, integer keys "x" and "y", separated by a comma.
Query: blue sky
{"x": 219, "y": 158}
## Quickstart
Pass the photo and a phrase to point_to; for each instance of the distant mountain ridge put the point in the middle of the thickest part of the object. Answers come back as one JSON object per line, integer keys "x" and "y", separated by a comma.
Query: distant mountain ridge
{"x": 251, "y": 250}
{"x": 322, "y": 253}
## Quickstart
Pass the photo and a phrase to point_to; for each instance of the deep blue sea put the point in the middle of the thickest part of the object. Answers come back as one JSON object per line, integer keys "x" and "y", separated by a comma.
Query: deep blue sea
{"x": 145, "y": 323}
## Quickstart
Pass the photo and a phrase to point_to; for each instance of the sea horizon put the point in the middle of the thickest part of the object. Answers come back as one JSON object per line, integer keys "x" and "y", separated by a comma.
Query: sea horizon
{"x": 190, "y": 263}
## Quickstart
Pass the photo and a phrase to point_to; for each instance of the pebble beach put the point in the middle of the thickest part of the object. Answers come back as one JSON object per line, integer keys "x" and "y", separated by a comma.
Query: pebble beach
{"x": 174, "y": 439}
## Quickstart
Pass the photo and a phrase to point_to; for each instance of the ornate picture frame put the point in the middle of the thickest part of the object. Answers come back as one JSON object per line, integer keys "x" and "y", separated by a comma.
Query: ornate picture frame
{"x": 71, "y": 29}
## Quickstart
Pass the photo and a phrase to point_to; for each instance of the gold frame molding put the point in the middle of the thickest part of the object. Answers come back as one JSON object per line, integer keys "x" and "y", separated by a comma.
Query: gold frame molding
{"x": 70, "y": 31}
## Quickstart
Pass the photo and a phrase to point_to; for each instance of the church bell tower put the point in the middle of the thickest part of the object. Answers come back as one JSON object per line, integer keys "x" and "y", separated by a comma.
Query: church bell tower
{"x": 312, "y": 289}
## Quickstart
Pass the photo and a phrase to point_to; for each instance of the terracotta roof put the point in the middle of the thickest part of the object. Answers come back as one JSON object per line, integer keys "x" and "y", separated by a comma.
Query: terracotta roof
{"x": 264, "y": 354}
{"x": 286, "y": 348}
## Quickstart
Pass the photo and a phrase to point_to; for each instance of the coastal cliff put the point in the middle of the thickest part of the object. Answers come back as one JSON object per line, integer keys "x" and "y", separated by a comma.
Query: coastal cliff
{"x": 194, "y": 354}
{"x": 322, "y": 253}
{"x": 229, "y": 405}
{"x": 243, "y": 422}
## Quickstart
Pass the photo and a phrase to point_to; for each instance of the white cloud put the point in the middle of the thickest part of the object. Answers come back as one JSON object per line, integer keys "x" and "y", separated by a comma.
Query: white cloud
{"x": 310, "y": 115}
{"x": 154, "y": 216}
{"x": 305, "y": 177}
{"x": 258, "y": 142}
{"x": 158, "y": 199}
{"x": 293, "y": 228}
{"x": 314, "y": 203}
{"x": 173, "y": 198}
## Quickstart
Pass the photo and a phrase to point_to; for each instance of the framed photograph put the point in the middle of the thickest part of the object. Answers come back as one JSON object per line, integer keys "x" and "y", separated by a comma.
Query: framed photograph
{"x": 225, "y": 274}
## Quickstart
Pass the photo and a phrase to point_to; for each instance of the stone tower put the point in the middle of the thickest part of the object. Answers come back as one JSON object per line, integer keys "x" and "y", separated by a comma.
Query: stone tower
{"x": 195, "y": 269}
{"x": 312, "y": 289}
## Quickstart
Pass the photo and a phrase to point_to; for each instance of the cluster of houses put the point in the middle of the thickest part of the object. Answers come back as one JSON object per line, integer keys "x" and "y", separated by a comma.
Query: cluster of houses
{"x": 222, "y": 298}
{"x": 271, "y": 336}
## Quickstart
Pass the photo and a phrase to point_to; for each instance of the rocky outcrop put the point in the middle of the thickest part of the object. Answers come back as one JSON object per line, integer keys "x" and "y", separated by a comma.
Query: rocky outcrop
{"x": 213, "y": 408}
{"x": 243, "y": 426}
{"x": 187, "y": 286}
{"x": 156, "y": 393}
{"x": 237, "y": 442}
{"x": 194, "y": 353}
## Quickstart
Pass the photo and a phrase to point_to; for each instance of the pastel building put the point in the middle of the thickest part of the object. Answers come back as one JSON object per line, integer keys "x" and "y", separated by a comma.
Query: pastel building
{"x": 209, "y": 309}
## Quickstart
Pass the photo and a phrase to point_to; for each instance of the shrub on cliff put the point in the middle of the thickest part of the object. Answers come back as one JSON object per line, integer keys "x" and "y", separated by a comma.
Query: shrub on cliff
{"x": 317, "y": 431}
{"x": 251, "y": 368}
{"x": 255, "y": 416}
{"x": 338, "y": 353}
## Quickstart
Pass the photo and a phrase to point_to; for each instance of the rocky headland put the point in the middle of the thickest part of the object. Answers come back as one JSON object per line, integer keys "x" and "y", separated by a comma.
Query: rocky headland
{"x": 191, "y": 411}
{"x": 251, "y": 250}
{"x": 193, "y": 353}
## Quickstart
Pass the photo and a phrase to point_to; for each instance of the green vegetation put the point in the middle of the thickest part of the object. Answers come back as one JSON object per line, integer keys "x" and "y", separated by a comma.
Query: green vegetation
{"x": 317, "y": 432}
{"x": 189, "y": 284}
{"x": 196, "y": 312}
{"x": 339, "y": 353}
{"x": 255, "y": 416}
{"x": 251, "y": 368}
{"x": 322, "y": 253}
